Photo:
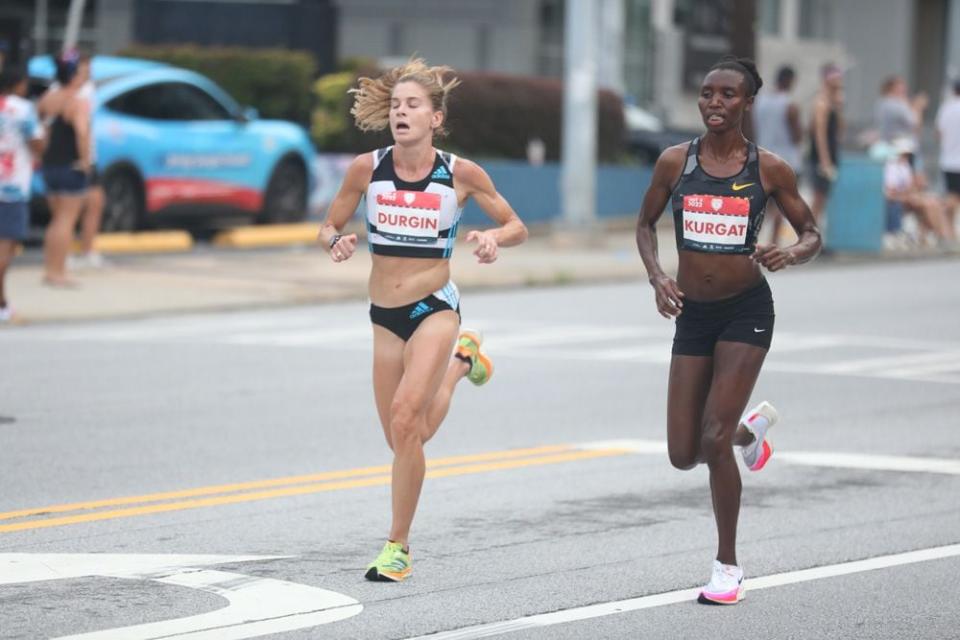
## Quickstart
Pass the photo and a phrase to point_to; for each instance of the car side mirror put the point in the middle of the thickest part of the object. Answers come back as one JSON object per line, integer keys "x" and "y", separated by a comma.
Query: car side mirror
{"x": 247, "y": 114}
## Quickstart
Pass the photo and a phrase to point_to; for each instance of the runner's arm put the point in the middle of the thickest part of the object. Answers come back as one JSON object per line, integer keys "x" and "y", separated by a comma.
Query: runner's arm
{"x": 665, "y": 173}
{"x": 472, "y": 181}
{"x": 344, "y": 204}
{"x": 783, "y": 188}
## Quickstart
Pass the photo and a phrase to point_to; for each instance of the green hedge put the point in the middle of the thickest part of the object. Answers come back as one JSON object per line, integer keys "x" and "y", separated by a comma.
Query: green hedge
{"x": 276, "y": 82}
{"x": 489, "y": 115}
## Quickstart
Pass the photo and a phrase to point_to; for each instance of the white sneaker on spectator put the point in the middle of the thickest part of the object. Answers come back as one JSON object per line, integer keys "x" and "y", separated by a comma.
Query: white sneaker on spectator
{"x": 91, "y": 260}
{"x": 6, "y": 314}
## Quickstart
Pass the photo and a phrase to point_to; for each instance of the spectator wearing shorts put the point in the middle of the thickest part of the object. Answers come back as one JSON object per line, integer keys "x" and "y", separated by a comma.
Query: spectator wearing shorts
{"x": 66, "y": 164}
{"x": 905, "y": 194}
{"x": 21, "y": 141}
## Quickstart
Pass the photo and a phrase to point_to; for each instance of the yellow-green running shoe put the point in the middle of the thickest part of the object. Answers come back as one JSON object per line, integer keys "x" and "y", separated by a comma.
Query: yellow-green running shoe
{"x": 392, "y": 565}
{"x": 468, "y": 346}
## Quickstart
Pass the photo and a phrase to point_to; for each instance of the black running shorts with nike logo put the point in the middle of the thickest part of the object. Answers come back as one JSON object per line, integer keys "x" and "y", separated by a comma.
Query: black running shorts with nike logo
{"x": 746, "y": 317}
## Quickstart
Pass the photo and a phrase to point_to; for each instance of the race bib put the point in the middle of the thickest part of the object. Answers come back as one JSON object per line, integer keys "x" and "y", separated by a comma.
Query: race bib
{"x": 715, "y": 219}
{"x": 408, "y": 216}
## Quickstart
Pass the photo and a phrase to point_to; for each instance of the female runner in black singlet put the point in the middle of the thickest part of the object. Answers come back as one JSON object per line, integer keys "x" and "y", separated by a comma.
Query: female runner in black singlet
{"x": 717, "y": 186}
{"x": 414, "y": 198}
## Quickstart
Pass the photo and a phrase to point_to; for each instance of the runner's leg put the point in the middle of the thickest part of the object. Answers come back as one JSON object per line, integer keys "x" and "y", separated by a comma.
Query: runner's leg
{"x": 687, "y": 390}
{"x": 736, "y": 367}
{"x": 425, "y": 363}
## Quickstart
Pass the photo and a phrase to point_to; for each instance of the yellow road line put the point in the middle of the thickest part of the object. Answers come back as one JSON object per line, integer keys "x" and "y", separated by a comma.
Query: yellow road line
{"x": 438, "y": 470}
{"x": 273, "y": 482}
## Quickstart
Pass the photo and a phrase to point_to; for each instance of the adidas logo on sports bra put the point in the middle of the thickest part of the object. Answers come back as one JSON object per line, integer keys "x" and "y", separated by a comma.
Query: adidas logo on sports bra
{"x": 440, "y": 173}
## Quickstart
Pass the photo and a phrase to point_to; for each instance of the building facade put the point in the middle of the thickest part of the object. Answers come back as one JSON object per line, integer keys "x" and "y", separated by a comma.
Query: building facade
{"x": 652, "y": 50}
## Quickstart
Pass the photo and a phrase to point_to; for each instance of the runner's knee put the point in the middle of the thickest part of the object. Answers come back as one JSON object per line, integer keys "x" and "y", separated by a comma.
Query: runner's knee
{"x": 404, "y": 422}
{"x": 683, "y": 459}
{"x": 715, "y": 441}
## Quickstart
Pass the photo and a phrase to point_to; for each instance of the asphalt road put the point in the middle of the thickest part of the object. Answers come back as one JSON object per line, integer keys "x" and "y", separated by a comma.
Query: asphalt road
{"x": 226, "y": 472}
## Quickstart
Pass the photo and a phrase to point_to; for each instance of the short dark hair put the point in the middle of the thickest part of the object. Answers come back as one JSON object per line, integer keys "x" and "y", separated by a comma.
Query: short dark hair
{"x": 10, "y": 77}
{"x": 66, "y": 64}
{"x": 785, "y": 76}
{"x": 744, "y": 66}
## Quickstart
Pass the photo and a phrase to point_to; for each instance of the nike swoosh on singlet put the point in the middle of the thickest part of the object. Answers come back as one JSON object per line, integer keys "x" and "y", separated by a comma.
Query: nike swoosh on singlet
{"x": 737, "y": 187}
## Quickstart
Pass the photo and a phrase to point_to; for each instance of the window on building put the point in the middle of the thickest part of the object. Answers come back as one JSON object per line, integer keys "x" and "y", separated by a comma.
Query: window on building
{"x": 550, "y": 55}
{"x": 483, "y": 47}
{"x": 816, "y": 19}
{"x": 638, "y": 51}
{"x": 768, "y": 17}
{"x": 395, "y": 44}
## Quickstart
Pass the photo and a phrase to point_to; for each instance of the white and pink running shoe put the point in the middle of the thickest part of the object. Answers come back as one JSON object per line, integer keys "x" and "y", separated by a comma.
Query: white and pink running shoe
{"x": 757, "y": 421}
{"x": 725, "y": 586}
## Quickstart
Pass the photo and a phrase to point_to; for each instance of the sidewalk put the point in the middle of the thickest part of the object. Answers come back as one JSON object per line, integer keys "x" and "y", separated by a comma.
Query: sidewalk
{"x": 210, "y": 279}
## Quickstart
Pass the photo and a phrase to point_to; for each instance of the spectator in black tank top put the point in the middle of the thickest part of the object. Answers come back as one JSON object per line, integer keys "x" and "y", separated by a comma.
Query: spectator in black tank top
{"x": 720, "y": 299}
{"x": 826, "y": 131}
{"x": 66, "y": 163}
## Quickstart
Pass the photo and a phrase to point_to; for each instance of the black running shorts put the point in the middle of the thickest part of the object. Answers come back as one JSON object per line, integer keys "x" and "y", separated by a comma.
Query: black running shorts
{"x": 746, "y": 317}
{"x": 403, "y": 321}
{"x": 952, "y": 180}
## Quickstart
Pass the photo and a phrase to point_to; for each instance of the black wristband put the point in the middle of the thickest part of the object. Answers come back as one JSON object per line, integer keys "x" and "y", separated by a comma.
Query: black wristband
{"x": 335, "y": 239}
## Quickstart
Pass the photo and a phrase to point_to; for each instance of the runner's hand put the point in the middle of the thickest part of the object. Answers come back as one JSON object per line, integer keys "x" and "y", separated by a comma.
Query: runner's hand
{"x": 344, "y": 248}
{"x": 669, "y": 297}
{"x": 773, "y": 257}
{"x": 487, "y": 246}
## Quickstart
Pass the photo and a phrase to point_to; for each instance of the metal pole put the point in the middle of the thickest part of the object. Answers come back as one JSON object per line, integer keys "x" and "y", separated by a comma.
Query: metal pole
{"x": 74, "y": 20}
{"x": 612, "y": 43}
{"x": 40, "y": 28}
{"x": 579, "y": 149}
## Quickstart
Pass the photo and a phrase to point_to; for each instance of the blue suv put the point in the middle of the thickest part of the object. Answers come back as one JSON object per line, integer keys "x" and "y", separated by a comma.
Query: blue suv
{"x": 171, "y": 142}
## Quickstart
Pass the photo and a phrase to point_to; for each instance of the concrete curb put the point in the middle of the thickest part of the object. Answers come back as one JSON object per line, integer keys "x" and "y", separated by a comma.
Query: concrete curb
{"x": 143, "y": 242}
{"x": 275, "y": 235}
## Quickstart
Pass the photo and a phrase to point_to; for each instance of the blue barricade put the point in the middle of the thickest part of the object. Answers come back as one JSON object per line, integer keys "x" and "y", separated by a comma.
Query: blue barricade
{"x": 856, "y": 208}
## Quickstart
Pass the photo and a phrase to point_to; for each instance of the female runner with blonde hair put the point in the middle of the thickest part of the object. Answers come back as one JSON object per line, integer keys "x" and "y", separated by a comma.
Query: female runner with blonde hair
{"x": 414, "y": 198}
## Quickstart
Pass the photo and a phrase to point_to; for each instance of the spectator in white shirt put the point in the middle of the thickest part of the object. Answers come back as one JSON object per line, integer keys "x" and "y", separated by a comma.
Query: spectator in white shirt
{"x": 948, "y": 128}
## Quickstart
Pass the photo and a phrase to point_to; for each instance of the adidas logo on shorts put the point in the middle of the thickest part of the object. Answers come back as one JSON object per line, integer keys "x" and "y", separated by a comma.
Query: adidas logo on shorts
{"x": 420, "y": 309}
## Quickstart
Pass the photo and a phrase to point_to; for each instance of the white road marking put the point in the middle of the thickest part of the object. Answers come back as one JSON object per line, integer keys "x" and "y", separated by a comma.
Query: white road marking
{"x": 834, "y": 459}
{"x": 892, "y": 359}
{"x": 255, "y": 606}
{"x": 685, "y": 595}
{"x": 870, "y": 461}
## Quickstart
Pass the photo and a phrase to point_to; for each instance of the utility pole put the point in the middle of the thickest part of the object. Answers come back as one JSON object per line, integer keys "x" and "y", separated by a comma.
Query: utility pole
{"x": 579, "y": 147}
{"x": 40, "y": 28}
{"x": 74, "y": 20}
{"x": 743, "y": 41}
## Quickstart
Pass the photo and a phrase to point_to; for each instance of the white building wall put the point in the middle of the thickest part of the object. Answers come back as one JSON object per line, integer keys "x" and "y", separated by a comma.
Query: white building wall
{"x": 444, "y": 32}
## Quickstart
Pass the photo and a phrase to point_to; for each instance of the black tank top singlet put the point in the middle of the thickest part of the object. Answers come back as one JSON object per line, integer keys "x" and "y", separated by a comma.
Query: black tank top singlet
{"x": 833, "y": 142}
{"x": 718, "y": 215}
{"x": 62, "y": 148}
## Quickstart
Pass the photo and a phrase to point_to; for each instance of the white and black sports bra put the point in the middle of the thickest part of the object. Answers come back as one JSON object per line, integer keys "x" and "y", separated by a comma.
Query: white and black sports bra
{"x": 412, "y": 219}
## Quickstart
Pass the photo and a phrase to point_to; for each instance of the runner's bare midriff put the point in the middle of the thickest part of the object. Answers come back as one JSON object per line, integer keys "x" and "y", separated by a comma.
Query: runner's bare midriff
{"x": 396, "y": 281}
{"x": 708, "y": 276}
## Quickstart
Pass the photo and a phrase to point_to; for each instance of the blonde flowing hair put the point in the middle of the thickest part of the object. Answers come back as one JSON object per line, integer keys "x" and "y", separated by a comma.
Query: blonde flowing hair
{"x": 371, "y": 99}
